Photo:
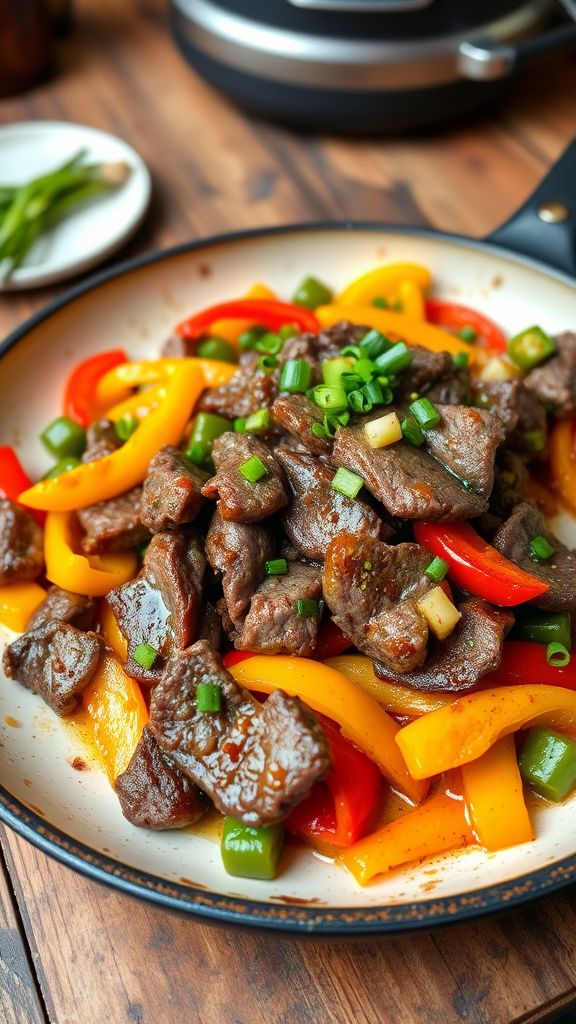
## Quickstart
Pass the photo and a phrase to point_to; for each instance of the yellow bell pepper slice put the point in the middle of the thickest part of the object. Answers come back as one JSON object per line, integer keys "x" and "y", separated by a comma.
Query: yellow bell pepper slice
{"x": 94, "y": 575}
{"x": 440, "y": 824}
{"x": 396, "y": 699}
{"x": 115, "y": 714}
{"x": 409, "y": 329}
{"x": 382, "y": 282}
{"x": 18, "y": 602}
{"x": 462, "y": 731}
{"x": 411, "y": 300}
{"x": 495, "y": 797}
{"x": 112, "y": 475}
{"x": 114, "y": 638}
{"x": 231, "y": 329}
{"x": 138, "y": 405}
{"x": 563, "y": 460}
{"x": 360, "y": 718}
{"x": 114, "y": 386}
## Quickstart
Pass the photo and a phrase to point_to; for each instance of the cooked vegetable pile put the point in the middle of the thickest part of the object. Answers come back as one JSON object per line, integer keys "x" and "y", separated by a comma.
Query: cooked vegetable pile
{"x": 319, "y": 530}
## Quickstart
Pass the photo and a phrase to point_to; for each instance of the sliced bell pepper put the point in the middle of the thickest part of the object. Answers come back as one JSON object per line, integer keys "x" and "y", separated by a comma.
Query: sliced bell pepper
{"x": 411, "y": 300}
{"x": 409, "y": 329}
{"x": 495, "y": 798}
{"x": 563, "y": 460}
{"x": 115, "y": 386}
{"x": 231, "y": 329}
{"x": 438, "y": 825}
{"x": 115, "y": 714}
{"x": 235, "y": 657}
{"x": 524, "y": 662}
{"x": 383, "y": 281}
{"x": 548, "y": 763}
{"x": 139, "y": 405}
{"x": 112, "y": 475}
{"x": 268, "y": 312}
{"x": 18, "y": 602}
{"x": 330, "y": 641}
{"x": 462, "y": 731}
{"x": 249, "y": 852}
{"x": 94, "y": 575}
{"x": 396, "y": 699}
{"x": 80, "y": 390}
{"x": 14, "y": 479}
{"x": 113, "y": 636}
{"x": 478, "y": 567}
{"x": 339, "y": 810}
{"x": 452, "y": 316}
{"x": 361, "y": 718}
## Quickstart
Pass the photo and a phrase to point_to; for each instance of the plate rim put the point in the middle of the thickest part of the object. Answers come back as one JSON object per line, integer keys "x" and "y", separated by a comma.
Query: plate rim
{"x": 304, "y": 919}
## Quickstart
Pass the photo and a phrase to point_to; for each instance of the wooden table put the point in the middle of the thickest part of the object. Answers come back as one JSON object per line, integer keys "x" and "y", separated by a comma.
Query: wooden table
{"x": 74, "y": 953}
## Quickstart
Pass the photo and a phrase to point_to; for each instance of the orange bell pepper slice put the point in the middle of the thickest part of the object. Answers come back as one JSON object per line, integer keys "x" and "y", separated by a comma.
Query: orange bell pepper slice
{"x": 138, "y": 405}
{"x": 495, "y": 797}
{"x": 383, "y": 281}
{"x": 115, "y": 713}
{"x": 114, "y": 638}
{"x": 394, "y": 698}
{"x": 82, "y": 574}
{"x": 116, "y": 385}
{"x": 232, "y": 328}
{"x": 18, "y": 602}
{"x": 563, "y": 460}
{"x": 410, "y": 329}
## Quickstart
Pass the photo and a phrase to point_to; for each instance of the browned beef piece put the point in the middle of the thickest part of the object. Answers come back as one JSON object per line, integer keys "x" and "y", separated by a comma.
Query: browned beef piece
{"x": 510, "y": 479}
{"x": 298, "y": 414}
{"x": 238, "y": 499}
{"x": 176, "y": 346}
{"x": 248, "y": 390}
{"x": 554, "y": 382}
{"x": 425, "y": 369}
{"x": 465, "y": 442}
{"x": 517, "y": 408}
{"x": 21, "y": 544}
{"x": 154, "y": 793}
{"x": 64, "y": 606}
{"x": 56, "y": 661}
{"x": 255, "y": 761}
{"x": 407, "y": 480}
{"x": 458, "y": 663}
{"x": 451, "y": 388}
{"x": 172, "y": 491}
{"x": 559, "y": 571}
{"x": 113, "y": 525}
{"x": 239, "y": 551}
{"x": 272, "y": 624}
{"x": 101, "y": 440}
{"x": 314, "y": 348}
{"x": 371, "y": 590}
{"x": 317, "y": 512}
{"x": 161, "y": 606}
{"x": 210, "y": 626}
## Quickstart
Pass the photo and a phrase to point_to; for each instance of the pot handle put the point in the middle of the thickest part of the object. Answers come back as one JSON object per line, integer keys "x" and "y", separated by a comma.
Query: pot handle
{"x": 545, "y": 226}
{"x": 484, "y": 60}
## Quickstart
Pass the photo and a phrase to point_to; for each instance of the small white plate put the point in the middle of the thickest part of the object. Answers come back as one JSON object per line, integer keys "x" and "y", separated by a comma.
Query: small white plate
{"x": 96, "y": 229}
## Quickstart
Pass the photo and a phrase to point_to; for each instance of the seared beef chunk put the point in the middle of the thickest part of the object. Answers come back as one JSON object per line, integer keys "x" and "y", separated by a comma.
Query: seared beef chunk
{"x": 210, "y": 626}
{"x": 452, "y": 388}
{"x": 172, "y": 491}
{"x": 161, "y": 606}
{"x": 510, "y": 479}
{"x": 298, "y": 414}
{"x": 317, "y": 512}
{"x": 248, "y": 390}
{"x": 240, "y": 500}
{"x": 559, "y": 571}
{"x": 425, "y": 369}
{"x": 154, "y": 793}
{"x": 409, "y": 483}
{"x": 239, "y": 551}
{"x": 256, "y": 761}
{"x": 458, "y": 663}
{"x": 64, "y": 606}
{"x": 176, "y": 346}
{"x": 519, "y": 411}
{"x": 101, "y": 440}
{"x": 371, "y": 590}
{"x": 465, "y": 442}
{"x": 273, "y": 624}
{"x": 57, "y": 661}
{"x": 113, "y": 525}
{"x": 21, "y": 544}
{"x": 554, "y": 382}
{"x": 314, "y": 348}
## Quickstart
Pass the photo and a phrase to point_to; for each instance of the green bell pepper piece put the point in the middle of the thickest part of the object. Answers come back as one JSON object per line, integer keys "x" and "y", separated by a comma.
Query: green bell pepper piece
{"x": 251, "y": 852}
{"x": 548, "y": 763}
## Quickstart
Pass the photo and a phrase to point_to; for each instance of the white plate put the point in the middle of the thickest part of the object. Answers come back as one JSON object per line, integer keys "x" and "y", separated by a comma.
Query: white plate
{"x": 97, "y": 228}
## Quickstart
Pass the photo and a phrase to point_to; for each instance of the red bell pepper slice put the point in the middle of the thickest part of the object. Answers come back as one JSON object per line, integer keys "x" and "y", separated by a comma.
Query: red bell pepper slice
{"x": 330, "y": 641}
{"x": 525, "y": 663}
{"x": 478, "y": 567}
{"x": 268, "y": 312}
{"x": 14, "y": 480}
{"x": 235, "y": 657}
{"x": 341, "y": 809}
{"x": 452, "y": 316}
{"x": 80, "y": 387}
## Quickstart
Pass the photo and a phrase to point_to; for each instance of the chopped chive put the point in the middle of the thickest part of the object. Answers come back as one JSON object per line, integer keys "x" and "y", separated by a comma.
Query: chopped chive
{"x": 347, "y": 483}
{"x": 529, "y": 348}
{"x": 541, "y": 549}
{"x": 359, "y": 402}
{"x": 365, "y": 368}
{"x": 557, "y": 655}
{"x": 461, "y": 360}
{"x": 145, "y": 655}
{"x": 534, "y": 441}
{"x": 125, "y": 426}
{"x": 331, "y": 398}
{"x": 437, "y": 569}
{"x": 208, "y": 697}
{"x": 373, "y": 344}
{"x": 248, "y": 339}
{"x": 468, "y": 334}
{"x": 253, "y": 469}
{"x": 257, "y": 421}
{"x": 319, "y": 430}
{"x": 411, "y": 432}
{"x": 217, "y": 348}
{"x": 396, "y": 359}
{"x": 295, "y": 376}
{"x": 288, "y": 331}
{"x": 240, "y": 425}
{"x": 267, "y": 363}
{"x": 352, "y": 350}
{"x": 305, "y": 606}
{"x": 332, "y": 370}
{"x": 425, "y": 413}
{"x": 270, "y": 344}
{"x": 374, "y": 391}
{"x": 276, "y": 567}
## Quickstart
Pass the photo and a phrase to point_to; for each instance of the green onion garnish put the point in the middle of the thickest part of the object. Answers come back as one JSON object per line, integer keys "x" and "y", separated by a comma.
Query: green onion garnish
{"x": 208, "y": 697}
{"x": 365, "y": 368}
{"x": 425, "y": 413}
{"x": 295, "y": 376}
{"x": 395, "y": 360}
{"x": 332, "y": 370}
{"x": 270, "y": 344}
{"x": 198, "y": 453}
{"x": 437, "y": 569}
{"x": 331, "y": 398}
{"x": 541, "y": 549}
{"x": 557, "y": 655}
{"x": 460, "y": 360}
{"x": 311, "y": 293}
{"x": 217, "y": 348}
{"x": 374, "y": 344}
{"x": 529, "y": 348}
{"x": 411, "y": 432}
{"x": 253, "y": 469}
{"x": 320, "y": 430}
{"x": 248, "y": 339}
{"x": 267, "y": 363}
{"x": 379, "y": 302}
{"x": 145, "y": 655}
{"x": 258, "y": 421}
{"x": 240, "y": 425}
{"x": 352, "y": 350}
{"x": 125, "y": 426}
{"x": 468, "y": 334}
{"x": 305, "y": 606}
{"x": 347, "y": 483}
{"x": 63, "y": 466}
{"x": 374, "y": 391}
{"x": 359, "y": 402}
{"x": 276, "y": 567}
{"x": 288, "y": 331}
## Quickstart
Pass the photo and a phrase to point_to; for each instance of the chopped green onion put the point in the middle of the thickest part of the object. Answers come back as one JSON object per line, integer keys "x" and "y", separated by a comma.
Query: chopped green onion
{"x": 251, "y": 852}
{"x": 145, "y": 655}
{"x": 64, "y": 466}
{"x": 541, "y": 549}
{"x": 365, "y": 368}
{"x": 311, "y": 293}
{"x": 347, "y": 483}
{"x": 208, "y": 697}
{"x": 270, "y": 344}
{"x": 425, "y": 413}
{"x": 351, "y": 381}
{"x": 396, "y": 359}
{"x": 437, "y": 569}
{"x": 217, "y": 348}
{"x": 379, "y": 302}
{"x": 374, "y": 392}
{"x": 534, "y": 441}
{"x": 240, "y": 425}
{"x": 541, "y": 627}
{"x": 288, "y": 331}
{"x": 332, "y": 369}
{"x": 529, "y": 348}
{"x": 248, "y": 339}
{"x": 276, "y": 567}
{"x": 306, "y": 607}
{"x": 461, "y": 360}
{"x": 468, "y": 334}
{"x": 206, "y": 428}
{"x": 295, "y": 376}
{"x": 320, "y": 430}
{"x": 352, "y": 350}
{"x": 374, "y": 344}
{"x": 253, "y": 469}
{"x": 548, "y": 763}
{"x": 359, "y": 402}
{"x": 411, "y": 432}
{"x": 258, "y": 421}
{"x": 198, "y": 453}
{"x": 331, "y": 398}
{"x": 63, "y": 437}
{"x": 267, "y": 363}
{"x": 126, "y": 426}
{"x": 557, "y": 655}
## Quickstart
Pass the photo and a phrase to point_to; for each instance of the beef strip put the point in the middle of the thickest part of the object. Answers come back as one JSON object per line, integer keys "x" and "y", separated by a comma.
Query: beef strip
{"x": 425, "y": 369}
{"x": 56, "y": 661}
{"x": 458, "y": 663}
{"x": 297, "y": 414}
{"x": 510, "y": 479}
{"x": 452, "y": 387}
{"x": 317, "y": 512}
{"x": 517, "y": 408}
{"x": 176, "y": 346}
{"x": 559, "y": 571}
{"x": 255, "y": 761}
{"x": 247, "y": 391}
{"x": 239, "y": 551}
{"x": 161, "y": 606}
{"x": 64, "y": 606}
{"x": 113, "y": 525}
{"x": 154, "y": 793}
{"x": 238, "y": 499}
{"x": 554, "y": 382}
{"x": 272, "y": 624}
{"x": 465, "y": 442}
{"x": 21, "y": 544}
{"x": 172, "y": 491}
{"x": 210, "y": 626}
{"x": 371, "y": 590}
{"x": 407, "y": 480}
{"x": 314, "y": 348}
{"x": 101, "y": 440}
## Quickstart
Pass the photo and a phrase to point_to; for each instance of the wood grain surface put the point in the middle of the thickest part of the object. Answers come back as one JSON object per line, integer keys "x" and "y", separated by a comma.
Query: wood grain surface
{"x": 72, "y": 952}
